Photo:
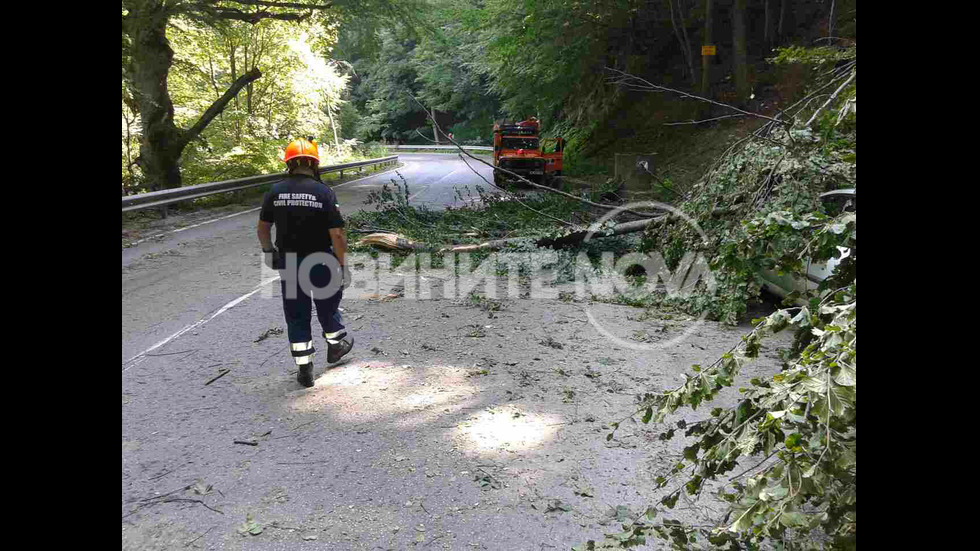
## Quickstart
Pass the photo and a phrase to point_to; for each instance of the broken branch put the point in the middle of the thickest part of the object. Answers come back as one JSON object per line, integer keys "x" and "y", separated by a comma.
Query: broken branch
{"x": 222, "y": 374}
{"x": 625, "y": 80}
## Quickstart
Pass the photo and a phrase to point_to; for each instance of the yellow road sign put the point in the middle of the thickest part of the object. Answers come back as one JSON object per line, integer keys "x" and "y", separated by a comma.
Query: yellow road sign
{"x": 707, "y": 50}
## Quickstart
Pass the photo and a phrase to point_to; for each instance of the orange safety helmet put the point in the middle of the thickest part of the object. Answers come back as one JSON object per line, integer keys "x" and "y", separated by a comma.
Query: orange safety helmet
{"x": 301, "y": 147}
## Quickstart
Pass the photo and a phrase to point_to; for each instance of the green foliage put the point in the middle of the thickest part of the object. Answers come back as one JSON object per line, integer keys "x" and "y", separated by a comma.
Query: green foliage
{"x": 539, "y": 54}
{"x": 813, "y": 56}
{"x": 385, "y": 90}
{"x": 760, "y": 208}
{"x": 289, "y": 100}
{"x": 804, "y": 417}
{"x": 301, "y": 89}
{"x": 448, "y": 78}
{"x": 799, "y": 426}
{"x": 248, "y": 137}
{"x": 478, "y": 216}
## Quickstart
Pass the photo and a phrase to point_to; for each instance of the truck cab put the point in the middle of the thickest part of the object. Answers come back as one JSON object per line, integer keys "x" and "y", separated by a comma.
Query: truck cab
{"x": 517, "y": 148}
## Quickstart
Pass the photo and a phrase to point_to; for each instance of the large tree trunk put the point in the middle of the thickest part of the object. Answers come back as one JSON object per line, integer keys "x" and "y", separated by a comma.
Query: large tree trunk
{"x": 741, "y": 52}
{"x": 150, "y": 58}
{"x": 150, "y": 61}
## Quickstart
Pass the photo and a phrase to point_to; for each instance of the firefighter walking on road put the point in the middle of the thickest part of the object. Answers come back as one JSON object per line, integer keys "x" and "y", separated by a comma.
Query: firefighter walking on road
{"x": 309, "y": 253}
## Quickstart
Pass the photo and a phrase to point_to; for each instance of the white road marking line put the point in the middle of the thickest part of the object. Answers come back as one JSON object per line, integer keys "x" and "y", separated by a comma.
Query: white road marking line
{"x": 447, "y": 175}
{"x": 417, "y": 193}
{"x": 195, "y": 225}
{"x": 137, "y": 359}
{"x": 371, "y": 176}
{"x": 142, "y": 355}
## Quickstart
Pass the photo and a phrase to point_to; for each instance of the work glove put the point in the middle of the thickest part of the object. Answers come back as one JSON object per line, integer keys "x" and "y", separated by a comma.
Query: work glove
{"x": 272, "y": 259}
{"x": 345, "y": 274}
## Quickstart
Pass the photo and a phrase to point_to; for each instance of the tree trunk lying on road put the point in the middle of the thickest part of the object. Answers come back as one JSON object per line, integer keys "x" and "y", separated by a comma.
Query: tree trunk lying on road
{"x": 397, "y": 242}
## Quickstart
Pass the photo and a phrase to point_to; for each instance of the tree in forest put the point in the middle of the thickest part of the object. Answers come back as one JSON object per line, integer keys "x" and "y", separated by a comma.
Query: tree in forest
{"x": 679, "y": 23}
{"x": 387, "y": 84}
{"x": 290, "y": 99}
{"x": 147, "y": 60}
{"x": 741, "y": 52}
{"x": 450, "y": 82}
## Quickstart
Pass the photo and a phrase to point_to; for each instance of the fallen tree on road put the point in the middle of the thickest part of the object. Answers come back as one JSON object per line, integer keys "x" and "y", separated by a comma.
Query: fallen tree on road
{"x": 393, "y": 241}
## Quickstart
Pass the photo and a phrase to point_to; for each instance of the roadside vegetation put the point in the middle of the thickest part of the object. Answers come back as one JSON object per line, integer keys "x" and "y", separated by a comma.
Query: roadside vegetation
{"x": 759, "y": 207}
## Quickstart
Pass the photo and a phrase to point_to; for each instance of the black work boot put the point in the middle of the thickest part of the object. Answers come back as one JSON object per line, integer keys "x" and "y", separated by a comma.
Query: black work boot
{"x": 305, "y": 375}
{"x": 337, "y": 351}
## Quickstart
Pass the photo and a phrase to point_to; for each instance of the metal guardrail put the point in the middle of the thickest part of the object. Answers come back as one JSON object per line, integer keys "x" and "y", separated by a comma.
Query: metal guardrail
{"x": 473, "y": 147}
{"x": 169, "y": 196}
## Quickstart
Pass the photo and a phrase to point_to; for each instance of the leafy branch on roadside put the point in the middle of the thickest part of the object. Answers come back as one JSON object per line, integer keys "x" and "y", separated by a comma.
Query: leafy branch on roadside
{"x": 799, "y": 426}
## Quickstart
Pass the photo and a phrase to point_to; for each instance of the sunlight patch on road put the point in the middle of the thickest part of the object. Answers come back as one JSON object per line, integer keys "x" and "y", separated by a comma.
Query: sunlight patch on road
{"x": 507, "y": 428}
{"x": 400, "y": 395}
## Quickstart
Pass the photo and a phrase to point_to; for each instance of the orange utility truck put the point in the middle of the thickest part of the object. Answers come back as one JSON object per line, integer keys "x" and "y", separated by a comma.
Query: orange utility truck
{"x": 517, "y": 147}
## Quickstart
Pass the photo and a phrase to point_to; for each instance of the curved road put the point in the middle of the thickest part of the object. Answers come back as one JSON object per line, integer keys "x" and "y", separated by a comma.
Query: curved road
{"x": 171, "y": 283}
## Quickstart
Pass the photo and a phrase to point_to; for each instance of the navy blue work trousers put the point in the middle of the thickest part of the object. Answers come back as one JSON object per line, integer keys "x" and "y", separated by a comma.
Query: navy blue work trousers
{"x": 298, "y": 310}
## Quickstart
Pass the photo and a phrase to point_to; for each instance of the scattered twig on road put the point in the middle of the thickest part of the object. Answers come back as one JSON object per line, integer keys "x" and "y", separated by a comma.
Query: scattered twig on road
{"x": 268, "y": 333}
{"x": 181, "y": 489}
{"x": 171, "y": 353}
{"x": 190, "y": 500}
{"x": 151, "y": 501}
{"x": 220, "y": 375}
{"x": 276, "y": 525}
{"x": 434, "y": 539}
{"x": 159, "y": 476}
{"x": 271, "y": 355}
{"x": 199, "y": 537}
{"x": 246, "y": 442}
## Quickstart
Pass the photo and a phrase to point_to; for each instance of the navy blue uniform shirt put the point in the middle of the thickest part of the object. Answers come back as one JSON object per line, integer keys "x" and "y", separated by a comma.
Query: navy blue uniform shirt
{"x": 303, "y": 211}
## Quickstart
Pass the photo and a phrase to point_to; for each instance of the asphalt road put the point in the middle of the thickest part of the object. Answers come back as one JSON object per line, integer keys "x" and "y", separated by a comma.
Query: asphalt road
{"x": 181, "y": 278}
{"x": 452, "y": 425}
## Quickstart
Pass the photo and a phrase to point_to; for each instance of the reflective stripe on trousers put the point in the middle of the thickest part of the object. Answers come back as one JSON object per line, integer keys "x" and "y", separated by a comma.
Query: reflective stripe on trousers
{"x": 302, "y": 352}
